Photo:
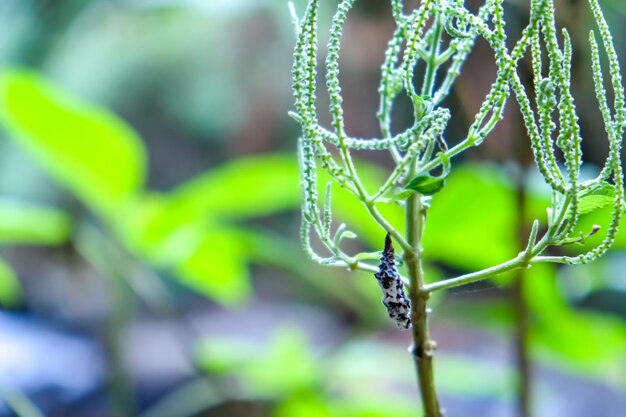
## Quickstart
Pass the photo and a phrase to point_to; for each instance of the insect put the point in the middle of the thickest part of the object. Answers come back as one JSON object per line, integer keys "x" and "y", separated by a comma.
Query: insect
{"x": 398, "y": 305}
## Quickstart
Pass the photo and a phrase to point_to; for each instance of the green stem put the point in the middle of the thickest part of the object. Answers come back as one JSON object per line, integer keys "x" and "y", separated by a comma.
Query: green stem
{"x": 423, "y": 348}
{"x": 95, "y": 249}
{"x": 373, "y": 211}
{"x": 186, "y": 400}
{"x": 433, "y": 62}
{"x": 514, "y": 263}
{"x": 524, "y": 260}
{"x": 19, "y": 403}
{"x": 434, "y": 163}
{"x": 522, "y": 344}
{"x": 521, "y": 311}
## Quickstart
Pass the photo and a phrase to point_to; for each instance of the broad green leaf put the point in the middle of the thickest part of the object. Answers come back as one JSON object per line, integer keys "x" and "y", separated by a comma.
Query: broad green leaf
{"x": 592, "y": 203}
{"x": 161, "y": 235}
{"x": 10, "y": 288}
{"x": 471, "y": 222}
{"x": 218, "y": 268}
{"x": 247, "y": 187}
{"x": 596, "y": 199}
{"x": 426, "y": 185}
{"x": 252, "y": 186}
{"x": 286, "y": 365}
{"x": 26, "y": 223}
{"x": 85, "y": 148}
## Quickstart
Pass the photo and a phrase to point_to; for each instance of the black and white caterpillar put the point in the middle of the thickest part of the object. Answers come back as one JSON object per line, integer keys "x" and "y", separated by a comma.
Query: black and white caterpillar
{"x": 398, "y": 306}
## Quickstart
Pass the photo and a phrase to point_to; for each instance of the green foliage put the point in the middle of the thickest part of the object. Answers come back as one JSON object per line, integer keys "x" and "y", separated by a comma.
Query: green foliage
{"x": 349, "y": 382}
{"x": 600, "y": 196}
{"x": 87, "y": 149}
{"x": 577, "y": 341}
{"x": 193, "y": 231}
{"x": 422, "y": 34}
{"x": 571, "y": 197}
{"x": 476, "y": 210}
{"x": 288, "y": 352}
{"x": 10, "y": 288}
{"x": 435, "y": 33}
{"x": 243, "y": 188}
{"x": 581, "y": 341}
{"x": 26, "y": 223}
{"x": 217, "y": 267}
{"x": 426, "y": 184}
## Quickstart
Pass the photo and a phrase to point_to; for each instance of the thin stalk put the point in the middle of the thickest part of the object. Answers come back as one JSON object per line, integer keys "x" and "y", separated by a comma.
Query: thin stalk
{"x": 521, "y": 313}
{"x": 19, "y": 403}
{"x": 97, "y": 253}
{"x": 119, "y": 380}
{"x": 423, "y": 348}
{"x": 523, "y": 260}
{"x": 373, "y": 211}
{"x": 509, "y": 265}
{"x": 522, "y": 345}
{"x": 433, "y": 62}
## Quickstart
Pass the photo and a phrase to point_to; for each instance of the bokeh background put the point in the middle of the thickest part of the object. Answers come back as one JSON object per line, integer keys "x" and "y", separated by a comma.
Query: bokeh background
{"x": 149, "y": 221}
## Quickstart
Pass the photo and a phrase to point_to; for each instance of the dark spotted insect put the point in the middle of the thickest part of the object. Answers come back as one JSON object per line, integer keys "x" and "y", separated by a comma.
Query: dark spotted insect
{"x": 398, "y": 306}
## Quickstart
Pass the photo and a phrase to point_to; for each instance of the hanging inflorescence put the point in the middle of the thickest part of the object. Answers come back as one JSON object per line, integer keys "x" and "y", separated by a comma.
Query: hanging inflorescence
{"x": 553, "y": 100}
{"x": 439, "y": 35}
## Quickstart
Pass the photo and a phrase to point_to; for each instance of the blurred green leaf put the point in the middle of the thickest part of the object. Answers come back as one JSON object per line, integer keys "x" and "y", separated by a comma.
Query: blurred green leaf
{"x": 26, "y": 223}
{"x": 185, "y": 230}
{"x": 269, "y": 249}
{"x": 218, "y": 268}
{"x": 579, "y": 341}
{"x": 351, "y": 211}
{"x": 225, "y": 357}
{"x": 85, "y": 148}
{"x": 471, "y": 221}
{"x": 285, "y": 367}
{"x": 151, "y": 228}
{"x": 246, "y": 187}
{"x": 601, "y": 217}
{"x": 10, "y": 287}
{"x": 304, "y": 405}
{"x": 289, "y": 365}
{"x": 375, "y": 406}
{"x": 455, "y": 373}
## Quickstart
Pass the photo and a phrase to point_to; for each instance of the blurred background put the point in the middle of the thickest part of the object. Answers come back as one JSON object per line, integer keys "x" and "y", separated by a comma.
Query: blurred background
{"x": 149, "y": 221}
